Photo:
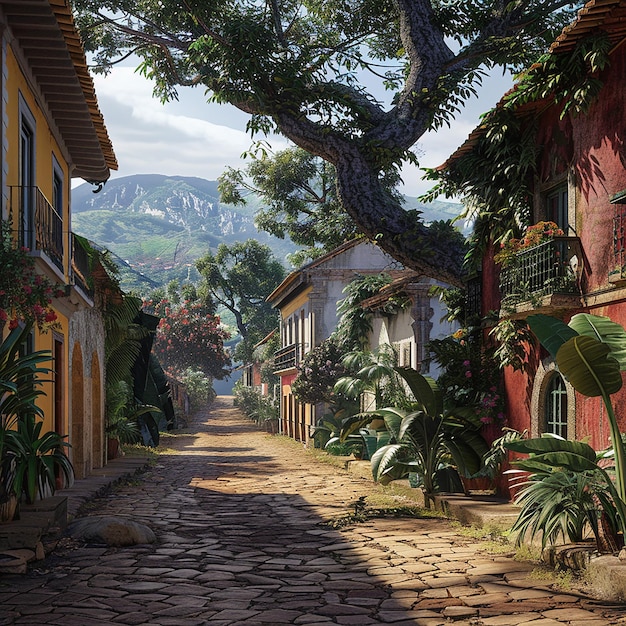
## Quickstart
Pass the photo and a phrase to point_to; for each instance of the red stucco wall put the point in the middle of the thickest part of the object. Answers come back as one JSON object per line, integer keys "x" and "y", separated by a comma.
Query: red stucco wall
{"x": 594, "y": 145}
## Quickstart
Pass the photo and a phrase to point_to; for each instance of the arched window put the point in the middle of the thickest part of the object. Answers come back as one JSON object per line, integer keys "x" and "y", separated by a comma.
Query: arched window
{"x": 556, "y": 406}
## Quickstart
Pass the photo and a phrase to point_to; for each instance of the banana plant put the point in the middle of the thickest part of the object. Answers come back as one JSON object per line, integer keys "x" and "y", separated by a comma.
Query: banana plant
{"x": 590, "y": 352}
{"x": 435, "y": 443}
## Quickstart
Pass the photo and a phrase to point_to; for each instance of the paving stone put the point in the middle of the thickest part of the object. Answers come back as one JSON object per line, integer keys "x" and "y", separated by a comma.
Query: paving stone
{"x": 240, "y": 543}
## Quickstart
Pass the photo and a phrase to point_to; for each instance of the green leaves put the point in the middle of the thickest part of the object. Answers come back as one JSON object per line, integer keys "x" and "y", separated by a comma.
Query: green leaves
{"x": 586, "y": 351}
{"x": 604, "y": 330}
{"x": 424, "y": 388}
{"x": 551, "y": 332}
{"x": 587, "y": 364}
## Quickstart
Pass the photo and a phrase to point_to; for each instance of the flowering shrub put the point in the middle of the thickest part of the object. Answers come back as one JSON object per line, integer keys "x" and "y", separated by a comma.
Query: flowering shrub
{"x": 317, "y": 374}
{"x": 471, "y": 376}
{"x": 25, "y": 295}
{"x": 190, "y": 336}
{"x": 534, "y": 235}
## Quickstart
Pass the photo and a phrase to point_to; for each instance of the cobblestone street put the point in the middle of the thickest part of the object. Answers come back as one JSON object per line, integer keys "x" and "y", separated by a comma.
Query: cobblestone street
{"x": 241, "y": 540}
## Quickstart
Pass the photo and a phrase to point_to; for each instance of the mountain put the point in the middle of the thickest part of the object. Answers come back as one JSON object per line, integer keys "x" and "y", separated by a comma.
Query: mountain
{"x": 157, "y": 225}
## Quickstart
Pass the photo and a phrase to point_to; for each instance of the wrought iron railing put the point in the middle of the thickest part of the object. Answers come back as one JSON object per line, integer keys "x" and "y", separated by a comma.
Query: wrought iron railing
{"x": 38, "y": 226}
{"x": 552, "y": 267}
{"x": 81, "y": 270}
{"x": 286, "y": 358}
{"x": 473, "y": 296}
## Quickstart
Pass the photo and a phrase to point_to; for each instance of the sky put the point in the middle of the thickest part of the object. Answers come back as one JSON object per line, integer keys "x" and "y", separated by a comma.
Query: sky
{"x": 190, "y": 137}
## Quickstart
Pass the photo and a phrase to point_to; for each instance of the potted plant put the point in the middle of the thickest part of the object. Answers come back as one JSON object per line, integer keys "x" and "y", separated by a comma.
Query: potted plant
{"x": 29, "y": 458}
{"x": 40, "y": 458}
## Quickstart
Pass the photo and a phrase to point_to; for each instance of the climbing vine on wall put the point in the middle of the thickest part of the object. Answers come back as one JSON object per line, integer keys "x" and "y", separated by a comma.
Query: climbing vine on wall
{"x": 494, "y": 177}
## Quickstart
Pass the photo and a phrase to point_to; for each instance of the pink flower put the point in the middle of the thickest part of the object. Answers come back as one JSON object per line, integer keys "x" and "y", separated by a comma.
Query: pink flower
{"x": 468, "y": 374}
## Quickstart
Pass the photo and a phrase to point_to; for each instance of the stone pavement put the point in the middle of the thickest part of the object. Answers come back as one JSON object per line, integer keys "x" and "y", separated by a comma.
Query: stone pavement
{"x": 242, "y": 529}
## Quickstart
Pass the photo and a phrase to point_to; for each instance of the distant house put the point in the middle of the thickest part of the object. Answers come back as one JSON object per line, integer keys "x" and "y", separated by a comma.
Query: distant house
{"x": 579, "y": 182}
{"x": 52, "y": 132}
{"x": 409, "y": 328}
{"x": 307, "y": 302}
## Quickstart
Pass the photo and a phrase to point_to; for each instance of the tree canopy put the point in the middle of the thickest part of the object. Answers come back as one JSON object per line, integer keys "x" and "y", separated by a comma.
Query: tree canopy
{"x": 240, "y": 277}
{"x": 299, "y": 194}
{"x": 316, "y": 71}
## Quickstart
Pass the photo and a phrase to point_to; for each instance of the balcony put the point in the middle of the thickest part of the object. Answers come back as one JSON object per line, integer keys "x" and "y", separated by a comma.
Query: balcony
{"x": 37, "y": 224}
{"x": 545, "y": 278}
{"x": 81, "y": 270}
{"x": 286, "y": 358}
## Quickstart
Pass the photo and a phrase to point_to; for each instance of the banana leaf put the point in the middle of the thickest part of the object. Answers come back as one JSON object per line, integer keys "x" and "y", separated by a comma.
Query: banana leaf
{"x": 587, "y": 364}
{"x": 604, "y": 330}
{"x": 550, "y": 443}
{"x": 424, "y": 389}
{"x": 551, "y": 331}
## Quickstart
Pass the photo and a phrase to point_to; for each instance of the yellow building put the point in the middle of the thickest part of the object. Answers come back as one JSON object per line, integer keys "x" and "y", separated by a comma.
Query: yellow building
{"x": 53, "y": 131}
{"x": 307, "y": 304}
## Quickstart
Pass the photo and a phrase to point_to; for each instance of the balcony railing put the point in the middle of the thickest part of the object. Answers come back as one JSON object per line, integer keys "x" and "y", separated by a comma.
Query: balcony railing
{"x": 286, "y": 358}
{"x": 81, "y": 270}
{"x": 553, "y": 267}
{"x": 38, "y": 226}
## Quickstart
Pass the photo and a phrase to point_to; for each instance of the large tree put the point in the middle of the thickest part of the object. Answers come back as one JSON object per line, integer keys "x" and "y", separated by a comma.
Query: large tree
{"x": 304, "y": 68}
{"x": 299, "y": 200}
{"x": 240, "y": 277}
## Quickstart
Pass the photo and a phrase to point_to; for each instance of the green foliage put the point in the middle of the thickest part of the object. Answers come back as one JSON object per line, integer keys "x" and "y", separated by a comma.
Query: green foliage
{"x": 299, "y": 194}
{"x": 20, "y": 386}
{"x": 199, "y": 387}
{"x": 305, "y": 72}
{"x": 567, "y": 493}
{"x": 587, "y": 362}
{"x": 470, "y": 375}
{"x": 123, "y": 411}
{"x": 377, "y": 375}
{"x": 496, "y": 176}
{"x": 438, "y": 445}
{"x": 240, "y": 277}
{"x": 259, "y": 408}
{"x": 355, "y": 321}
{"x": 29, "y": 458}
{"x": 39, "y": 455}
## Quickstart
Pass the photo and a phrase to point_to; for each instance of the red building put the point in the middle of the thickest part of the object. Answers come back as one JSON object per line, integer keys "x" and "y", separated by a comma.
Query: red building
{"x": 578, "y": 181}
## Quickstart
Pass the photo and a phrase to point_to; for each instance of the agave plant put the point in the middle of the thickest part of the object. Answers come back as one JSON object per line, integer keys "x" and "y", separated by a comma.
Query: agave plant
{"x": 569, "y": 492}
{"x": 28, "y": 457}
{"x": 437, "y": 444}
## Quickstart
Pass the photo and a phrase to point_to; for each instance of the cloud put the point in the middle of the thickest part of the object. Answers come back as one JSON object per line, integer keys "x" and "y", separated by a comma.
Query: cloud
{"x": 176, "y": 138}
{"x": 191, "y": 137}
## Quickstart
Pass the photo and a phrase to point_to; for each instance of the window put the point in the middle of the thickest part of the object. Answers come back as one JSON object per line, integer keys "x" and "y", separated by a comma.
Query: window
{"x": 58, "y": 184}
{"x": 557, "y": 207}
{"x": 26, "y": 176}
{"x": 556, "y": 406}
